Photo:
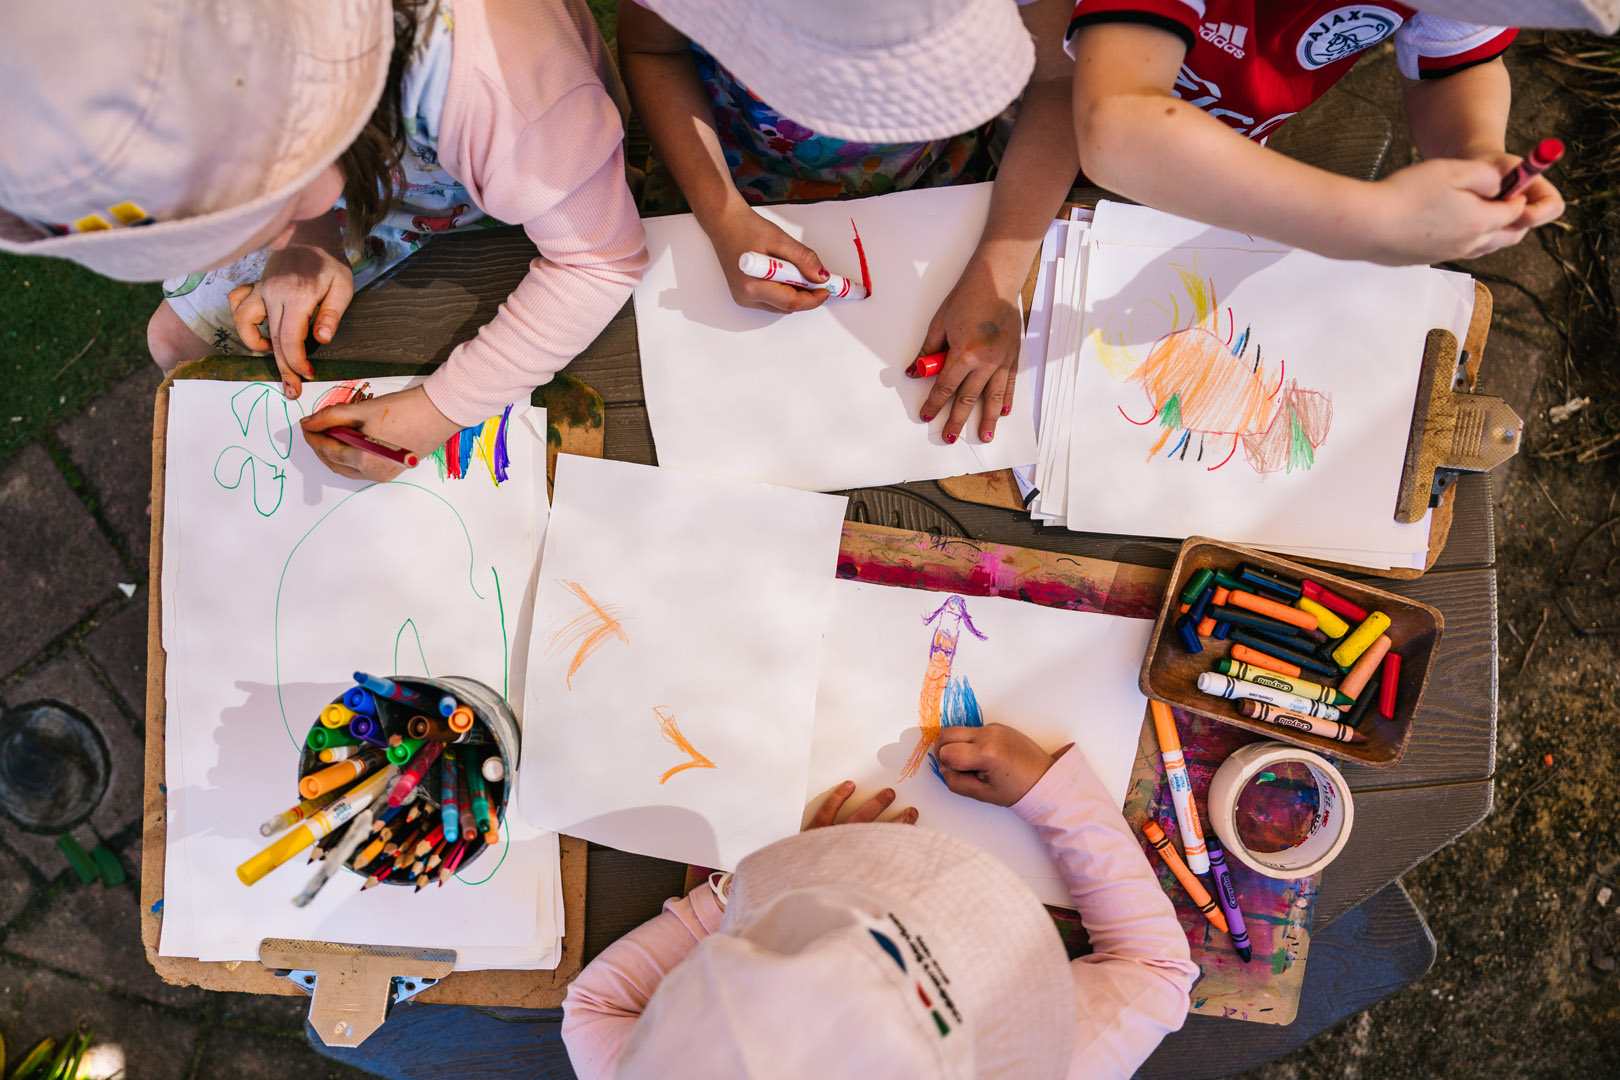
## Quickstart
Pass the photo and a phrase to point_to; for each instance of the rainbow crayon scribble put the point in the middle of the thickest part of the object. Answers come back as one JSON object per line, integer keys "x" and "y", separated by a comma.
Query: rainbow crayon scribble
{"x": 484, "y": 442}
{"x": 952, "y": 615}
{"x": 672, "y": 735}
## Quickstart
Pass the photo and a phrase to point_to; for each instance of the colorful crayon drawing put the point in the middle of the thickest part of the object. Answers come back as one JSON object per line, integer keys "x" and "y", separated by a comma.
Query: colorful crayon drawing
{"x": 262, "y": 472}
{"x": 672, "y": 735}
{"x": 952, "y": 615}
{"x": 590, "y": 629}
{"x": 485, "y": 442}
{"x": 1202, "y": 384}
{"x": 961, "y": 710}
{"x": 347, "y": 392}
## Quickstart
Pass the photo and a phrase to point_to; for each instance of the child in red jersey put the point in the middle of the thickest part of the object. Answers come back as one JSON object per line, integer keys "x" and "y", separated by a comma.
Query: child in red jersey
{"x": 1174, "y": 101}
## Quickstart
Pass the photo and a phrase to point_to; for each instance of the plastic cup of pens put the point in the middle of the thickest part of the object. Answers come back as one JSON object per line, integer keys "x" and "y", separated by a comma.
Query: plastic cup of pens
{"x": 440, "y": 753}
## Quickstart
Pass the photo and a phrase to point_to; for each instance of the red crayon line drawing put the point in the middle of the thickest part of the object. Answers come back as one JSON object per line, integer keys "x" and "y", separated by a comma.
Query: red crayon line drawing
{"x": 1200, "y": 383}
{"x": 672, "y": 735}
{"x": 590, "y": 629}
{"x": 952, "y": 615}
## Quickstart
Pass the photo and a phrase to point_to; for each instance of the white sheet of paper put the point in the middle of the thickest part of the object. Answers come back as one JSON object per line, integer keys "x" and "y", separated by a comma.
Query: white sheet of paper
{"x": 1057, "y": 676}
{"x": 281, "y": 579}
{"x": 1323, "y": 330}
{"x": 675, "y": 607}
{"x": 816, "y": 400}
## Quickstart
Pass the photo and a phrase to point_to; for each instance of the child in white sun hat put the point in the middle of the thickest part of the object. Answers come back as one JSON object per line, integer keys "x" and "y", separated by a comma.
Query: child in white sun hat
{"x": 268, "y": 157}
{"x": 750, "y": 102}
{"x": 877, "y": 950}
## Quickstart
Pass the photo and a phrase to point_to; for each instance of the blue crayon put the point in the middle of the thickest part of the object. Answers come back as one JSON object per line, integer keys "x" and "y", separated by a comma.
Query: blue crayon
{"x": 368, "y": 729}
{"x": 387, "y": 688}
{"x": 1226, "y": 894}
{"x": 358, "y": 699}
{"x": 1196, "y": 613}
{"x": 1222, "y": 628}
{"x": 447, "y": 705}
{"x": 1189, "y": 635}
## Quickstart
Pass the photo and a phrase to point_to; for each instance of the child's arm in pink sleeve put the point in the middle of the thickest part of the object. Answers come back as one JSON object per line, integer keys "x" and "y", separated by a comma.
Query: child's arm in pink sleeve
{"x": 607, "y": 998}
{"x": 1133, "y": 987}
{"x": 563, "y": 179}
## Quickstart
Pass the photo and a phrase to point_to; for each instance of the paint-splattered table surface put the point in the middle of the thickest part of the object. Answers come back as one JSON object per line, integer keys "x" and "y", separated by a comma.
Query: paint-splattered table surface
{"x": 1404, "y": 815}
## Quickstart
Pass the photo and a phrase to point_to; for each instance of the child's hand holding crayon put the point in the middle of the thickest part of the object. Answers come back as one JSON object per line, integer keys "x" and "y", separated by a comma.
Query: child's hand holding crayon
{"x": 407, "y": 419}
{"x": 994, "y": 763}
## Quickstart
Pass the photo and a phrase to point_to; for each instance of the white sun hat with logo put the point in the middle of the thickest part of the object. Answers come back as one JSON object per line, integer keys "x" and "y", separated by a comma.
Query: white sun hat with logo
{"x": 894, "y": 71}
{"x": 866, "y": 951}
{"x": 152, "y": 138}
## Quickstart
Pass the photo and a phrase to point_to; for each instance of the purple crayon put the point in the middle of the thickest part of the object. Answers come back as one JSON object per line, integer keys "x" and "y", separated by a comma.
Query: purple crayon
{"x": 387, "y": 688}
{"x": 368, "y": 729}
{"x": 1226, "y": 894}
{"x": 358, "y": 699}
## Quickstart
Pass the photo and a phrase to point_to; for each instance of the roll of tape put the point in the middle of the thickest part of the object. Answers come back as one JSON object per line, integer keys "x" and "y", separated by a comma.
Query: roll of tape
{"x": 1329, "y": 830}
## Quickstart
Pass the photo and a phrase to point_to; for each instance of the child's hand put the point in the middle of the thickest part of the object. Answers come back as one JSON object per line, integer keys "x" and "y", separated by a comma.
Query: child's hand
{"x": 298, "y": 281}
{"x": 741, "y": 230}
{"x": 827, "y": 814}
{"x": 983, "y": 330}
{"x": 1542, "y": 202}
{"x": 407, "y": 419}
{"x": 1443, "y": 209}
{"x": 994, "y": 763}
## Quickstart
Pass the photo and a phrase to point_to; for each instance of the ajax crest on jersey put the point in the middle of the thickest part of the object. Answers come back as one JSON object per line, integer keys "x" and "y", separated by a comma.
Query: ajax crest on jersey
{"x": 1344, "y": 32}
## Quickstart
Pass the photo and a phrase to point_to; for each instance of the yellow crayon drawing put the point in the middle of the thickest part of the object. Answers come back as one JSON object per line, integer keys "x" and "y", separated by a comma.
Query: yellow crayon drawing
{"x": 672, "y": 735}
{"x": 590, "y": 629}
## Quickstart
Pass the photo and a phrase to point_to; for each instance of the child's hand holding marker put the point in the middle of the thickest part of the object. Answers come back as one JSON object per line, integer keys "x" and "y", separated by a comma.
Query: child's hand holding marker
{"x": 741, "y": 231}
{"x": 408, "y": 420}
{"x": 994, "y": 763}
{"x": 978, "y": 331}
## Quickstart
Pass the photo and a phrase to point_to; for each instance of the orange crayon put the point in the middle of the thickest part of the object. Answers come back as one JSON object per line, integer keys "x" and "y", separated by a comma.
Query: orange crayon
{"x": 1281, "y": 612}
{"x": 1361, "y": 672}
{"x": 1195, "y": 888}
{"x": 1262, "y": 660}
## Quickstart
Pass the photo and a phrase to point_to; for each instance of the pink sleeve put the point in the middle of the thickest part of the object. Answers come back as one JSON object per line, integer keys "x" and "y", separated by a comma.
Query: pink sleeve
{"x": 606, "y": 1000}
{"x": 561, "y": 174}
{"x": 1133, "y": 987}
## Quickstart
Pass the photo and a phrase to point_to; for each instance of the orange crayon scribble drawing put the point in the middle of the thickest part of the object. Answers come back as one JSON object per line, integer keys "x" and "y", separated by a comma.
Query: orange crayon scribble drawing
{"x": 590, "y": 629}
{"x": 1201, "y": 383}
{"x": 672, "y": 735}
{"x": 948, "y": 621}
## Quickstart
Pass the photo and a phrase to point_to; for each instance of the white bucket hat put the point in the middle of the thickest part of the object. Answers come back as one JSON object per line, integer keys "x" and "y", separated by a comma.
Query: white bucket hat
{"x": 1601, "y": 16}
{"x": 866, "y": 951}
{"x": 152, "y": 138}
{"x": 886, "y": 71}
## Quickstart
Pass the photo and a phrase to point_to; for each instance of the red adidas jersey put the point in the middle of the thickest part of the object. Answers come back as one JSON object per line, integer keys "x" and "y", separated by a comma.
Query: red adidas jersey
{"x": 1255, "y": 63}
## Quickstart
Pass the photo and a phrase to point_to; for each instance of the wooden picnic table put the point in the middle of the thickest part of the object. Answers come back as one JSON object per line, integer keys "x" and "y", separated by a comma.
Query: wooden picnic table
{"x": 1403, "y": 815}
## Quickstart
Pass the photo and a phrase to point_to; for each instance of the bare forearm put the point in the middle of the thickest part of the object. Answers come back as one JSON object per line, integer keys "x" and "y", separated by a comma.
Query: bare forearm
{"x": 1036, "y": 173}
{"x": 667, "y": 94}
{"x": 1463, "y": 115}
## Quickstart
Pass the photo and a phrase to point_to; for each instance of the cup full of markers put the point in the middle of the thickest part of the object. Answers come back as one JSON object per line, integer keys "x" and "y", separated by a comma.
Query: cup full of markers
{"x": 404, "y": 780}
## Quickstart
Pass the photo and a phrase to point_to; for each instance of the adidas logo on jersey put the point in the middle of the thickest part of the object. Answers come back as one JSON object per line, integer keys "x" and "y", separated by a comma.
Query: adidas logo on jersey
{"x": 1226, "y": 37}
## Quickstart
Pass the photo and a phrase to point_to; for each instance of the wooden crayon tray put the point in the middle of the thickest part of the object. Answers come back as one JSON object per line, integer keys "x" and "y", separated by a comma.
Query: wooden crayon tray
{"x": 1170, "y": 673}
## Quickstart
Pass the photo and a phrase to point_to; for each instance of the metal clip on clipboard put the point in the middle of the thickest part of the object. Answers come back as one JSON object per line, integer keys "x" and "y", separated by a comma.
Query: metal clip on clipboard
{"x": 1453, "y": 429}
{"x": 353, "y": 987}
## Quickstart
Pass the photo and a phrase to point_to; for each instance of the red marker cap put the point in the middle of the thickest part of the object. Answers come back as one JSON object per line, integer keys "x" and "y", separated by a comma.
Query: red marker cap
{"x": 924, "y": 366}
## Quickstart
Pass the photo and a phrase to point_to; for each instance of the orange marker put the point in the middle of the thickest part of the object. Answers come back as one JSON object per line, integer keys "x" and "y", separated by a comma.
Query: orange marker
{"x": 1195, "y": 888}
{"x": 1262, "y": 660}
{"x": 1281, "y": 612}
{"x": 333, "y": 777}
{"x": 1366, "y": 664}
{"x": 460, "y": 719}
{"x": 1175, "y": 771}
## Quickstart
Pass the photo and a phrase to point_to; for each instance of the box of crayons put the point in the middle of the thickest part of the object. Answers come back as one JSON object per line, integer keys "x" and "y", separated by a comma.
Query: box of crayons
{"x": 403, "y": 781}
{"x": 1290, "y": 652}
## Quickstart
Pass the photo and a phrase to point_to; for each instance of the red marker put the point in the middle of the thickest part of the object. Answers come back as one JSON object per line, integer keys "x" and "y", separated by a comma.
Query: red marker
{"x": 353, "y": 438}
{"x": 1539, "y": 161}
{"x": 924, "y": 366}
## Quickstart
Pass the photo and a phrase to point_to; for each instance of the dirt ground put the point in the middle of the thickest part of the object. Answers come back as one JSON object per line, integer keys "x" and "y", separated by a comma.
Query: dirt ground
{"x": 1528, "y": 931}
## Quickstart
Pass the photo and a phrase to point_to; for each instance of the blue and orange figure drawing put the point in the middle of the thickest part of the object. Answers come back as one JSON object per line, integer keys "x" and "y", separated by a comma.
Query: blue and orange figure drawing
{"x": 1202, "y": 384}
{"x": 944, "y": 699}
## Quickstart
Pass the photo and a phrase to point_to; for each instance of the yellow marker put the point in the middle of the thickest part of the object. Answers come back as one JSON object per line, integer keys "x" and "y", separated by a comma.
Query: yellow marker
{"x": 1360, "y": 639}
{"x": 336, "y": 716}
{"x": 1326, "y": 621}
{"x": 321, "y": 824}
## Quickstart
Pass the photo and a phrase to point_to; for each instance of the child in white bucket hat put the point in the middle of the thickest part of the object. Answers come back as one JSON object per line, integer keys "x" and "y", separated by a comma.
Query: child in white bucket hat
{"x": 750, "y": 102}
{"x": 268, "y": 157}
{"x": 877, "y": 950}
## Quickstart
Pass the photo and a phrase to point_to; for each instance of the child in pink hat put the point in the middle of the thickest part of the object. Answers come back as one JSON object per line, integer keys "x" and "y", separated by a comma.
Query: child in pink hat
{"x": 269, "y": 157}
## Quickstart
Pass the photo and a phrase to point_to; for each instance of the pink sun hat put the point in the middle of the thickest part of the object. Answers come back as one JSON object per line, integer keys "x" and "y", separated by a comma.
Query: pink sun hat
{"x": 890, "y": 71}
{"x": 147, "y": 139}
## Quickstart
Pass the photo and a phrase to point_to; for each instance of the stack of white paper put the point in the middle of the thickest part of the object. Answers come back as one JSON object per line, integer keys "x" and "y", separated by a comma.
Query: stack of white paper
{"x": 1203, "y": 381}
{"x": 280, "y": 579}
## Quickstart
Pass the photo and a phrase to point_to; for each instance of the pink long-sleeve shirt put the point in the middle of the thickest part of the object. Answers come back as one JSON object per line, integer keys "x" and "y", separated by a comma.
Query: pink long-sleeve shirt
{"x": 1131, "y": 991}
{"x": 533, "y": 132}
